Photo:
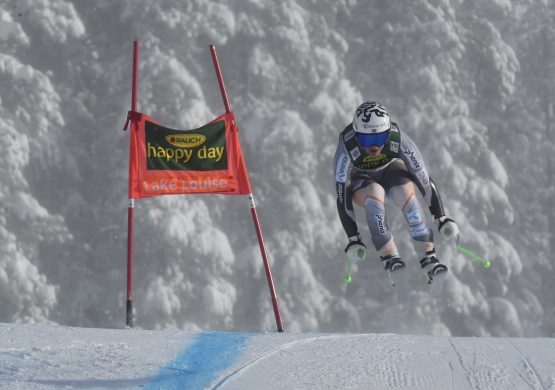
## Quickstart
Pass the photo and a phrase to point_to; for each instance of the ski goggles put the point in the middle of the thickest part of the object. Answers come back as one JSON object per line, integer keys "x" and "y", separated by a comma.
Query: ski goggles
{"x": 377, "y": 139}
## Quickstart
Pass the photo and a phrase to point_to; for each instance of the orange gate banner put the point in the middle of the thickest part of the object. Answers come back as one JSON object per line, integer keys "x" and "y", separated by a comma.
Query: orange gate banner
{"x": 206, "y": 160}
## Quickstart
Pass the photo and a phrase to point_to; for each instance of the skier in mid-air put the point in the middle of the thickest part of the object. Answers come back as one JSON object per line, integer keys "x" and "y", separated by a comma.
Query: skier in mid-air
{"x": 374, "y": 159}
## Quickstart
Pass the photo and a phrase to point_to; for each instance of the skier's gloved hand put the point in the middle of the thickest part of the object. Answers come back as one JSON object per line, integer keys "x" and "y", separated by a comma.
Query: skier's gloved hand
{"x": 355, "y": 249}
{"x": 447, "y": 227}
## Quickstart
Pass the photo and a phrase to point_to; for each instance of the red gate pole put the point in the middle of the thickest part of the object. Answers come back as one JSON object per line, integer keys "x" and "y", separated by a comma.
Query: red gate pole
{"x": 252, "y": 204}
{"x": 131, "y": 207}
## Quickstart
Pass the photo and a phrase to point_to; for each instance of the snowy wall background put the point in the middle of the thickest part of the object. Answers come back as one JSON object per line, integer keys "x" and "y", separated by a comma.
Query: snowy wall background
{"x": 472, "y": 82}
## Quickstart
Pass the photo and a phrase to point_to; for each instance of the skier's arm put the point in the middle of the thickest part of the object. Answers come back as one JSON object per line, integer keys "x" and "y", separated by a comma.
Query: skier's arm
{"x": 346, "y": 210}
{"x": 342, "y": 167}
{"x": 436, "y": 207}
{"x": 417, "y": 168}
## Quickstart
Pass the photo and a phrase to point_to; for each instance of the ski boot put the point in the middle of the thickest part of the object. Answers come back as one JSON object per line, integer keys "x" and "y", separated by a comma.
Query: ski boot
{"x": 434, "y": 271}
{"x": 395, "y": 268}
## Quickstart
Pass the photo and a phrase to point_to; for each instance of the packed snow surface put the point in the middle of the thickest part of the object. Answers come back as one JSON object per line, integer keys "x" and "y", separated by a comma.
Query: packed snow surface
{"x": 470, "y": 81}
{"x": 52, "y": 357}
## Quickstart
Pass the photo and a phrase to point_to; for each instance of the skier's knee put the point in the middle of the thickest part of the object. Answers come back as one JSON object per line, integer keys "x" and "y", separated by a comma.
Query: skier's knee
{"x": 419, "y": 231}
{"x": 375, "y": 214}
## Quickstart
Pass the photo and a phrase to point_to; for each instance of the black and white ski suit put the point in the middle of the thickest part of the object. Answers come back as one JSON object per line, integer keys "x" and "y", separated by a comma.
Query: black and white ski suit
{"x": 400, "y": 161}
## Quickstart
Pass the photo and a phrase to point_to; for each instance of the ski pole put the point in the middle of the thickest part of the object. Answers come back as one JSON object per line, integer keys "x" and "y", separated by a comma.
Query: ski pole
{"x": 348, "y": 278}
{"x": 473, "y": 256}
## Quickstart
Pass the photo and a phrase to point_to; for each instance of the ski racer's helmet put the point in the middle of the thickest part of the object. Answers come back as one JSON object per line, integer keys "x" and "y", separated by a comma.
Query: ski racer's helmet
{"x": 371, "y": 123}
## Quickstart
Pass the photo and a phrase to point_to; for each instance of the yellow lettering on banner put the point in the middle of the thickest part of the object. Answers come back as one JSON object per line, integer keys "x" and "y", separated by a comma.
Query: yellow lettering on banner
{"x": 151, "y": 151}
{"x": 170, "y": 154}
{"x": 219, "y": 152}
{"x": 177, "y": 155}
{"x": 188, "y": 155}
{"x": 202, "y": 153}
{"x": 211, "y": 153}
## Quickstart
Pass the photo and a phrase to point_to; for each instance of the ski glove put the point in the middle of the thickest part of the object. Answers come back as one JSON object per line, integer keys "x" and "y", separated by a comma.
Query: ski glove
{"x": 355, "y": 249}
{"x": 447, "y": 227}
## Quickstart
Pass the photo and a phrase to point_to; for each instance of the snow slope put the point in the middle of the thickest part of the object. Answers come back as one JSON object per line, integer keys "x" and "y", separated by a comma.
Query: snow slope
{"x": 471, "y": 82}
{"x": 52, "y": 357}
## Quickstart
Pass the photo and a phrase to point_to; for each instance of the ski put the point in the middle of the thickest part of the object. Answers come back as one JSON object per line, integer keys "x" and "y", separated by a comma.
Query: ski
{"x": 401, "y": 283}
{"x": 436, "y": 277}
{"x": 348, "y": 276}
{"x": 396, "y": 270}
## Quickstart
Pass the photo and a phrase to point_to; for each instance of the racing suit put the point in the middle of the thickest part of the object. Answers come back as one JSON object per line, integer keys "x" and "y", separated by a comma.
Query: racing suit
{"x": 399, "y": 162}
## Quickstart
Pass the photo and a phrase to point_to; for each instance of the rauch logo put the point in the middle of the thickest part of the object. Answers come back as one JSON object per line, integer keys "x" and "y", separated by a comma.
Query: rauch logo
{"x": 186, "y": 140}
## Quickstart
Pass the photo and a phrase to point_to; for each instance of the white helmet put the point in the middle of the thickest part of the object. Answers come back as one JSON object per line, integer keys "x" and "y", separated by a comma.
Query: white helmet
{"x": 371, "y": 118}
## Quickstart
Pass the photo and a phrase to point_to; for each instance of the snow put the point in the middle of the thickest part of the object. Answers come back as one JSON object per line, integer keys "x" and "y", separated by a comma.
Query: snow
{"x": 55, "y": 18}
{"x": 52, "y": 357}
{"x": 471, "y": 82}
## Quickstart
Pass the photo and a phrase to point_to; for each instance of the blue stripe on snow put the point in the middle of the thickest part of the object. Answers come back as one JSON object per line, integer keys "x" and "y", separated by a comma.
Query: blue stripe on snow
{"x": 199, "y": 365}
